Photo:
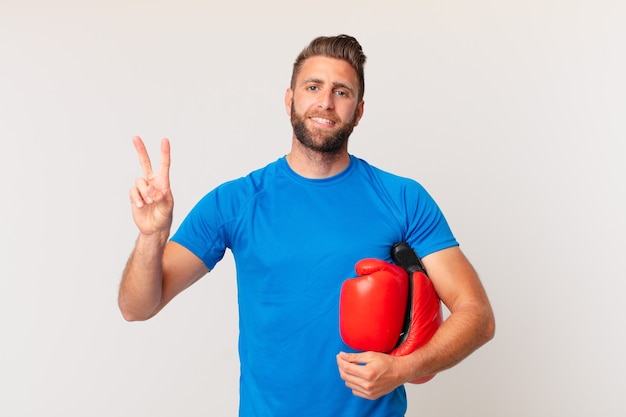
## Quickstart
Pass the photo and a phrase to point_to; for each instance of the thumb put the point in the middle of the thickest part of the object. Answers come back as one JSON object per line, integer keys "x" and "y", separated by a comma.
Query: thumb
{"x": 368, "y": 266}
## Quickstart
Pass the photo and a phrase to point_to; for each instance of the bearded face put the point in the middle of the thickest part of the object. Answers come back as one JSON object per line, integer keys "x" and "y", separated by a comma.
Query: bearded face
{"x": 327, "y": 141}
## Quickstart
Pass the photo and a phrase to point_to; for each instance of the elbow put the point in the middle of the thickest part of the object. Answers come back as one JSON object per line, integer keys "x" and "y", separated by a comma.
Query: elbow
{"x": 489, "y": 326}
{"x": 129, "y": 314}
{"x": 130, "y": 317}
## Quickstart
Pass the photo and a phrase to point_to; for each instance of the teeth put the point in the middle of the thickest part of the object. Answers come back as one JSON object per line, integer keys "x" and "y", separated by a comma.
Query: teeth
{"x": 322, "y": 121}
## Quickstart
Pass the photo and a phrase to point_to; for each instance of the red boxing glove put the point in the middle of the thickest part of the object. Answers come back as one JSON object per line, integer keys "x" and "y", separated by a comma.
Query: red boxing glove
{"x": 372, "y": 306}
{"x": 425, "y": 318}
{"x": 425, "y": 314}
{"x": 390, "y": 308}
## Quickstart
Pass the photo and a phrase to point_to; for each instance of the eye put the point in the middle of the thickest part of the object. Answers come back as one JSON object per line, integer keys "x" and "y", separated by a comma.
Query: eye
{"x": 341, "y": 93}
{"x": 312, "y": 88}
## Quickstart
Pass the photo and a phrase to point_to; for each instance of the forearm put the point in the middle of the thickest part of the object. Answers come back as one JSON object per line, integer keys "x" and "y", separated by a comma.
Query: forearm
{"x": 142, "y": 280}
{"x": 463, "y": 332}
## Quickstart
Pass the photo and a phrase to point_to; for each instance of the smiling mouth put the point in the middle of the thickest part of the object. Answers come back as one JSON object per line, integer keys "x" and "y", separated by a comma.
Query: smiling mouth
{"x": 322, "y": 121}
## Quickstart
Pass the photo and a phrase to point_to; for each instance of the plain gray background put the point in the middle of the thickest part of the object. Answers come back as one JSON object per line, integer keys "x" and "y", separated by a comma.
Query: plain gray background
{"x": 511, "y": 113}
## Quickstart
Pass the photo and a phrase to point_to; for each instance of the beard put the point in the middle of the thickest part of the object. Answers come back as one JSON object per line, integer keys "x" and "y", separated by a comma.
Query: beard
{"x": 319, "y": 140}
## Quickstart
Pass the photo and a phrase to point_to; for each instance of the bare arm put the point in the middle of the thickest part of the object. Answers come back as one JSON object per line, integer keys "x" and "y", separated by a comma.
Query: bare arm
{"x": 154, "y": 275}
{"x": 470, "y": 325}
{"x": 157, "y": 270}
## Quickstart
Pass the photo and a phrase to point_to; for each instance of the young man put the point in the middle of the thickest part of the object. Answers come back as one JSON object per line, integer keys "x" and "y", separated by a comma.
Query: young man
{"x": 296, "y": 229}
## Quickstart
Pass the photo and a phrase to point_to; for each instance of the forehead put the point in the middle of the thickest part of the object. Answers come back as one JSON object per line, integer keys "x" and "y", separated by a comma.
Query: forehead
{"x": 325, "y": 69}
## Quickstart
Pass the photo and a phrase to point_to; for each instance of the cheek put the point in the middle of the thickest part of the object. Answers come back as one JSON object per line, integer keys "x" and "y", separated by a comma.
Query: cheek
{"x": 298, "y": 107}
{"x": 351, "y": 115}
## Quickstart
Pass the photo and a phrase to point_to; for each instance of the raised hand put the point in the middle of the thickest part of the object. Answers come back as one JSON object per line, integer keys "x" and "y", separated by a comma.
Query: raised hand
{"x": 151, "y": 198}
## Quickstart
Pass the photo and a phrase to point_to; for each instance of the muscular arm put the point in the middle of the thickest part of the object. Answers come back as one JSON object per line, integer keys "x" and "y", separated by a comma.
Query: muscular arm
{"x": 470, "y": 325}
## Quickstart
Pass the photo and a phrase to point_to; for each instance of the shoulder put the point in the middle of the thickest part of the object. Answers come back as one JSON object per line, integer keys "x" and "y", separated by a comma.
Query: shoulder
{"x": 393, "y": 183}
{"x": 249, "y": 184}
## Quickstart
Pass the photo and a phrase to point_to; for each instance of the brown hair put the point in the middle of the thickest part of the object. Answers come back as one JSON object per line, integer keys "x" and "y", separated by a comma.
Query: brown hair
{"x": 342, "y": 47}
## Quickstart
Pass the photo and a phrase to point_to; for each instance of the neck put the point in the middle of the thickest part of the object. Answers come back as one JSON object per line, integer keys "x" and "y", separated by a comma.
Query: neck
{"x": 312, "y": 164}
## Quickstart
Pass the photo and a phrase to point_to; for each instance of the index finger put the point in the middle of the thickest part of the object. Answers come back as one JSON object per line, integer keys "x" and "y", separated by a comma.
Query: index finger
{"x": 144, "y": 159}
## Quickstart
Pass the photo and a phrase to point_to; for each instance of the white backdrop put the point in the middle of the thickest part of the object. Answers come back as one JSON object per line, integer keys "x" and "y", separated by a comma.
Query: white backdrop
{"x": 512, "y": 114}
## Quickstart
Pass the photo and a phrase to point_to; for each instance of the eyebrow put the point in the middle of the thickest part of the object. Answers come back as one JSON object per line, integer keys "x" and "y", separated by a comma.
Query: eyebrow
{"x": 334, "y": 85}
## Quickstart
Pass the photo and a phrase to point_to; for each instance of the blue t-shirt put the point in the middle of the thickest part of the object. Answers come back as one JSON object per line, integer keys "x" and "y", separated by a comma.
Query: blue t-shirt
{"x": 295, "y": 240}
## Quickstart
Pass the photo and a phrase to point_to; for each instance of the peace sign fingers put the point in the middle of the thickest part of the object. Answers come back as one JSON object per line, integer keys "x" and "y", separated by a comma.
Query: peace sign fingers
{"x": 162, "y": 177}
{"x": 151, "y": 196}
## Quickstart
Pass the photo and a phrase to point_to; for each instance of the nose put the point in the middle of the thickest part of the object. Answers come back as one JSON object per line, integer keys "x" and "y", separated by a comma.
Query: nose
{"x": 327, "y": 100}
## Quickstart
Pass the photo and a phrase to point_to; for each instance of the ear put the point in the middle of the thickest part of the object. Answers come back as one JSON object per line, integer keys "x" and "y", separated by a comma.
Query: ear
{"x": 359, "y": 112}
{"x": 288, "y": 101}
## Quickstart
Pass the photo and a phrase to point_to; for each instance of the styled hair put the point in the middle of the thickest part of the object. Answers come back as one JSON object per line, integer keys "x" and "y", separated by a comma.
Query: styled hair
{"x": 342, "y": 47}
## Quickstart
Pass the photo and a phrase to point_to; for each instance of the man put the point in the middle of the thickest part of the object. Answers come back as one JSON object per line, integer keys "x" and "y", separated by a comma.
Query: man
{"x": 296, "y": 229}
